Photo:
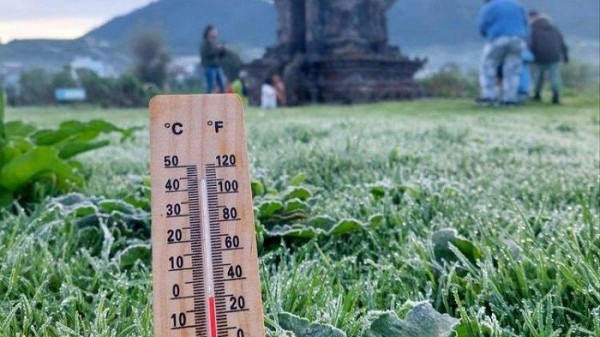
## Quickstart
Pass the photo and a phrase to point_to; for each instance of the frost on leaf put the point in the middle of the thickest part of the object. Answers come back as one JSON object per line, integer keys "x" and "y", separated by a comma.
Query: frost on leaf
{"x": 422, "y": 321}
{"x": 301, "y": 327}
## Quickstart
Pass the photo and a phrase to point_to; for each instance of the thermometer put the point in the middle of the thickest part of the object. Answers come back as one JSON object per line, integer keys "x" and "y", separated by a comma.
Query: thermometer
{"x": 204, "y": 254}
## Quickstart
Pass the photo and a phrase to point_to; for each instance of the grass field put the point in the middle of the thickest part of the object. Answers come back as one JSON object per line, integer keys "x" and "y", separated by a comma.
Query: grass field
{"x": 521, "y": 184}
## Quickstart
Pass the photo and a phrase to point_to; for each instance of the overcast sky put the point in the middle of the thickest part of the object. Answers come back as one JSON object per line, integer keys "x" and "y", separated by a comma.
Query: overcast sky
{"x": 20, "y": 19}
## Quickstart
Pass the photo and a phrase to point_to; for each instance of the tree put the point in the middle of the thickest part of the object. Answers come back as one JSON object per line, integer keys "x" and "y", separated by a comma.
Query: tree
{"x": 64, "y": 79}
{"x": 131, "y": 92}
{"x": 150, "y": 57}
{"x": 98, "y": 90}
{"x": 232, "y": 64}
{"x": 35, "y": 88}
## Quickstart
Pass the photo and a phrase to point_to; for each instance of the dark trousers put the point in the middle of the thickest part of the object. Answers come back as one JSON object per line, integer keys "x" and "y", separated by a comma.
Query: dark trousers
{"x": 550, "y": 69}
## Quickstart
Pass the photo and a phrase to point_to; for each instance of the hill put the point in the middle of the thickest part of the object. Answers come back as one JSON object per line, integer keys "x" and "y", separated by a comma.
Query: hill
{"x": 252, "y": 23}
{"x": 243, "y": 23}
{"x": 418, "y": 23}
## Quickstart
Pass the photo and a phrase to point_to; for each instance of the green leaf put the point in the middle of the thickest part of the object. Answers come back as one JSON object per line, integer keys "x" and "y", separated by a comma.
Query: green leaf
{"x": 321, "y": 225}
{"x": 6, "y": 198}
{"x": 93, "y": 211}
{"x": 75, "y": 204}
{"x": 54, "y": 137}
{"x": 108, "y": 206}
{"x": 473, "y": 328}
{"x": 105, "y": 127}
{"x": 441, "y": 244}
{"x": 346, "y": 226}
{"x": 258, "y": 189}
{"x": 321, "y": 222}
{"x": 301, "y": 327}
{"x": 268, "y": 208}
{"x": 296, "y": 205}
{"x": 138, "y": 202}
{"x": 70, "y": 200}
{"x": 85, "y": 210}
{"x": 395, "y": 155}
{"x": 18, "y": 129}
{"x": 33, "y": 161}
{"x": 467, "y": 248}
{"x": 375, "y": 220}
{"x": 22, "y": 169}
{"x": 77, "y": 130}
{"x": 410, "y": 191}
{"x": 72, "y": 149}
{"x": 421, "y": 321}
{"x": 378, "y": 192}
{"x": 295, "y": 231}
{"x": 297, "y": 192}
{"x": 443, "y": 238}
{"x": 298, "y": 180}
{"x": 130, "y": 255}
{"x": 13, "y": 148}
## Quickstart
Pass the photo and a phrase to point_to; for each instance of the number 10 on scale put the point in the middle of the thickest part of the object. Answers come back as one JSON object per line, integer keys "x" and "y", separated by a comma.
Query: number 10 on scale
{"x": 204, "y": 256}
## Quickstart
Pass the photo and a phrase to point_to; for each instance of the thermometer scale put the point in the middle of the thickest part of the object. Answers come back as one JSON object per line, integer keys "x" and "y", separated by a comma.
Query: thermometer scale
{"x": 204, "y": 254}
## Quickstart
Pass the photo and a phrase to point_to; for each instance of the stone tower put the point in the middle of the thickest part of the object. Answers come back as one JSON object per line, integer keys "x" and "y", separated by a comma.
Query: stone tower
{"x": 337, "y": 51}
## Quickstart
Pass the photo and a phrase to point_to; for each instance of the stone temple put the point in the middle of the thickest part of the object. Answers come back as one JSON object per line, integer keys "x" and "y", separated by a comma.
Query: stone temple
{"x": 336, "y": 51}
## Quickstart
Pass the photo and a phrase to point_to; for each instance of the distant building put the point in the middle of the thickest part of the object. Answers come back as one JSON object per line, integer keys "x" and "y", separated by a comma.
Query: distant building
{"x": 70, "y": 95}
{"x": 100, "y": 68}
{"x": 96, "y": 43}
{"x": 10, "y": 74}
{"x": 183, "y": 68}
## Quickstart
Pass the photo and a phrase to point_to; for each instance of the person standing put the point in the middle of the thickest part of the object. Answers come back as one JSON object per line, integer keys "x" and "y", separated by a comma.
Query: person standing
{"x": 504, "y": 25}
{"x": 549, "y": 48}
{"x": 279, "y": 89}
{"x": 211, "y": 53}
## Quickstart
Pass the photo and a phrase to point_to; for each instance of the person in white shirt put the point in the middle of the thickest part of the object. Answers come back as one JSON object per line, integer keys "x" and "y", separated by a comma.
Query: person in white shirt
{"x": 268, "y": 95}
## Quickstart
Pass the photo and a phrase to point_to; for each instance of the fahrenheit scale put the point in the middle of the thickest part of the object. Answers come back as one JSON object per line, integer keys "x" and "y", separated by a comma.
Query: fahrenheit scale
{"x": 204, "y": 256}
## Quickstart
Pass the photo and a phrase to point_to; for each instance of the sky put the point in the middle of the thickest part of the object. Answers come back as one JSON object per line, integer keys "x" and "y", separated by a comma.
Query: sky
{"x": 26, "y": 19}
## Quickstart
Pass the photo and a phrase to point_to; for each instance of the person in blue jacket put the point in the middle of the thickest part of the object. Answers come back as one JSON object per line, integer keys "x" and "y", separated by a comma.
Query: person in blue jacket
{"x": 504, "y": 25}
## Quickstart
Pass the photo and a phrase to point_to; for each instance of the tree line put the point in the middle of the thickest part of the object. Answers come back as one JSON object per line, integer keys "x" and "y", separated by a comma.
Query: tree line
{"x": 147, "y": 77}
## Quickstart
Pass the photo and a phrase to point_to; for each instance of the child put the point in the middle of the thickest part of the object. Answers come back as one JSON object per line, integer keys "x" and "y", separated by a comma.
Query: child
{"x": 525, "y": 78}
{"x": 268, "y": 95}
{"x": 239, "y": 86}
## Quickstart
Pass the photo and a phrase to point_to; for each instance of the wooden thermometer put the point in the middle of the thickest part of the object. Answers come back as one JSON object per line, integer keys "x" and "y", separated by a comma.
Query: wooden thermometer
{"x": 204, "y": 256}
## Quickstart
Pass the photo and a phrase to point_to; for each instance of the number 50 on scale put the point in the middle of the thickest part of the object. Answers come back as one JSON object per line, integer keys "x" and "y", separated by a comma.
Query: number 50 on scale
{"x": 204, "y": 256}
